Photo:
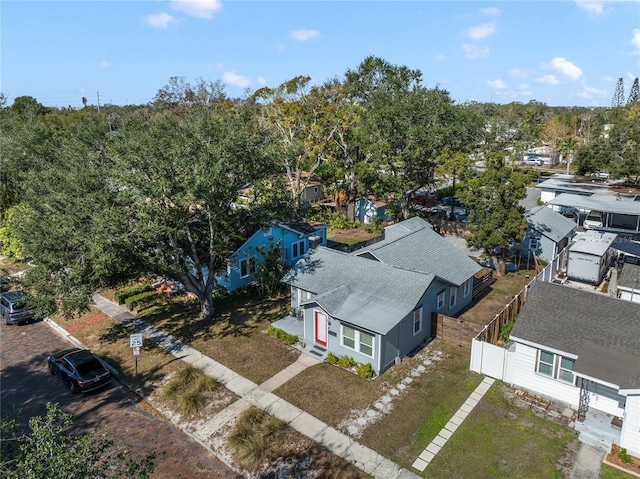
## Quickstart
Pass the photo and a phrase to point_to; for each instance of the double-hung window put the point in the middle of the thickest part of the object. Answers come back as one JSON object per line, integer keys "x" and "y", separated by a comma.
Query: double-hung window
{"x": 244, "y": 268}
{"x": 467, "y": 287}
{"x": 441, "y": 297}
{"x": 565, "y": 369}
{"x": 545, "y": 363}
{"x": 556, "y": 366}
{"x": 297, "y": 249}
{"x": 452, "y": 296}
{"x": 358, "y": 340}
{"x": 417, "y": 321}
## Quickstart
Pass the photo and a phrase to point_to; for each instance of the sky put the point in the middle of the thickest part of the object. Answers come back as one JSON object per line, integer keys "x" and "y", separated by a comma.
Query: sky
{"x": 562, "y": 53}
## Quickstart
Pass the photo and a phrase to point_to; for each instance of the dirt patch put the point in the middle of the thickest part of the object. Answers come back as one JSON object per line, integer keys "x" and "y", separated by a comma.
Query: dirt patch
{"x": 86, "y": 323}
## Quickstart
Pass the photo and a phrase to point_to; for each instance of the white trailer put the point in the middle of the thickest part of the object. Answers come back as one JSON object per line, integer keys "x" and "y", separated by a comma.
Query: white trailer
{"x": 590, "y": 256}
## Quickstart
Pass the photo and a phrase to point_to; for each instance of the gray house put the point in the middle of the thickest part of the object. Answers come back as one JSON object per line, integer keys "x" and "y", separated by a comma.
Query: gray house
{"x": 548, "y": 233}
{"x": 375, "y": 304}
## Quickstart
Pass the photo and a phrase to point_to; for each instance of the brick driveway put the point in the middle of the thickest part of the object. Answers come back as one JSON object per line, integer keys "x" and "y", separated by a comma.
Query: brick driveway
{"x": 26, "y": 383}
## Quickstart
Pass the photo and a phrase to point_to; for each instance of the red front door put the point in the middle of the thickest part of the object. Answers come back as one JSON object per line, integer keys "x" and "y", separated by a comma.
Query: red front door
{"x": 321, "y": 323}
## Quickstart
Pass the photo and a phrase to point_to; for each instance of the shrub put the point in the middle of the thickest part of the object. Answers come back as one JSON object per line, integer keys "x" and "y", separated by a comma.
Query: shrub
{"x": 339, "y": 221}
{"x": 255, "y": 433}
{"x": 141, "y": 299}
{"x": 121, "y": 296}
{"x": 365, "y": 370}
{"x": 185, "y": 391}
{"x": 282, "y": 335}
{"x": 332, "y": 358}
{"x": 625, "y": 456}
{"x": 505, "y": 331}
{"x": 346, "y": 361}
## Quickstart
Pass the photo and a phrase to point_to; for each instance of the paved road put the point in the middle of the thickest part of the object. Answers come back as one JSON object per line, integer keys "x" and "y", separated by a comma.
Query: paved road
{"x": 26, "y": 383}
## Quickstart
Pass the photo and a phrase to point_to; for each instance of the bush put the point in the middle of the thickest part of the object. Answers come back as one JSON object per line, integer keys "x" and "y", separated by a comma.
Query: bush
{"x": 346, "y": 361}
{"x": 141, "y": 299}
{"x": 625, "y": 456}
{"x": 255, "y": 433}
{"x": 505, "y": 331}
{"x": 339, "y": 221}
{"x": 121, "y": 296}
{"x": 185, "y": 392}
{"x": 282, "y": 335}
{"x": 332, "y": 358}
{"x": 365, "y": 370}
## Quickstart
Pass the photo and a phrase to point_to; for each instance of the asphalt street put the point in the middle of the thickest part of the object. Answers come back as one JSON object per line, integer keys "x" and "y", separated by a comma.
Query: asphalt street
{"x": 26, "y": 385}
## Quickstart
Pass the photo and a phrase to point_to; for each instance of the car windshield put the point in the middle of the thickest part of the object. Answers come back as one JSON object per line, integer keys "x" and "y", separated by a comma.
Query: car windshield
{"x": 594, "y": 217}
{"x": 90, "y": 366}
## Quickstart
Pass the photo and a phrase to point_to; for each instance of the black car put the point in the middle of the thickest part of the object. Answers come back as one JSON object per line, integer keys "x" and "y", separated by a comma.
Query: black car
{"x": 80, "y": 369}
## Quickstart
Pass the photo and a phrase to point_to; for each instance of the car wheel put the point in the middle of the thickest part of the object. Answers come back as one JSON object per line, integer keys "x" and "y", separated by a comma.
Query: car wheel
{"x": 73, "y": 387}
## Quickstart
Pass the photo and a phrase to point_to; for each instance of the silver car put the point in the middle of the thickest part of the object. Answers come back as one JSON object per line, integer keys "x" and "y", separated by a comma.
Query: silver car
{"x": 15, "y": 309}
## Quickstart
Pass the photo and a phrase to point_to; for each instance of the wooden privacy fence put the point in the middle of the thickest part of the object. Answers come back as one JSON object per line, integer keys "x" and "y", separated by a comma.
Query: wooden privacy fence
{"x": 454, "y": 331}
{"x": 491, "y": 331}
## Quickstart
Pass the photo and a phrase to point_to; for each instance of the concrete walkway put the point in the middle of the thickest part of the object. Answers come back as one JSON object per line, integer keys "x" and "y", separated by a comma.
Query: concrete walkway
{"x": 447, "y": 431}
{"x": 588, "y": 463}
{"x": 251, "y": 394}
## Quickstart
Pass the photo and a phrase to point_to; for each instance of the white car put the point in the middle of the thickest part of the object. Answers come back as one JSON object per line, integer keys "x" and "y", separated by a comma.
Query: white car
{"x": 533, "y": 161}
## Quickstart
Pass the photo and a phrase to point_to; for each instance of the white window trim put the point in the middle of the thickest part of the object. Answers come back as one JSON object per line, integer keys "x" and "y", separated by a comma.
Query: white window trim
{"x": 453, "y": 296}
{"x": 246, "y": 261}
{"x": 300, "y": 245}
{"x": 357, "y": 341}
{"x": 556, "y": 367}
{"x": 268, "y": 231}
{"x": 441, "y": 300}
{"x": 413, "y": 323}
{"x": 468, "y": 285}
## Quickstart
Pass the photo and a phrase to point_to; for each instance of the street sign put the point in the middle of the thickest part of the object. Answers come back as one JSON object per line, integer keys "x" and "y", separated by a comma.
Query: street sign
{"x": 135, "y": 340}
{"x": 136, "y": 351}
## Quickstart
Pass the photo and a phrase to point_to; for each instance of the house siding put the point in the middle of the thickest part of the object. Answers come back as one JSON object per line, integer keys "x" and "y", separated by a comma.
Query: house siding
{"x": 630, "y": 437}
{"x": 526, "y": 377}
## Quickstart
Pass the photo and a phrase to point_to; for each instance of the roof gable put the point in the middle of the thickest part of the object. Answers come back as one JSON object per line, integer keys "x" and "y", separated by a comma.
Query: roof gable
{"x": 549, "y": 223}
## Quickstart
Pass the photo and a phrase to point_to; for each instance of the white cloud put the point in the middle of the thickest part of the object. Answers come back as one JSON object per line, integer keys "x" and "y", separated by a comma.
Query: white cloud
{"x": 262, "y": 81}
{"x": 594, "y": 8}
{"x": 590, "y": 93}
{"x": 497, "y": 84}
{"x": 441, "y": 57}
{"x": 547, "y": 80}
{"x": 160, "y": 20}
{"x": 235, "y": 80}
{"x": 518, "y": 72}
{"x": 304, "y": 35}
{"x": 474, "y": 51}
{"x": 197, "y": 8}
{"x": 481, "y": 31}
{"x": 490, "y": 11}
{"x": 105, "y": 64}
{"x": 635, "y": 39}
{"x": 563, "y": 67}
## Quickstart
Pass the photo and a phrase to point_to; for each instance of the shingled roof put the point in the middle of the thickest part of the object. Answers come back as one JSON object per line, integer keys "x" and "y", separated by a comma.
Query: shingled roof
{"x": 369, "y": 294}
{"x": 414, "y": 246}
{"x": 549, "y": 223}
{"x": 603, "y": 332}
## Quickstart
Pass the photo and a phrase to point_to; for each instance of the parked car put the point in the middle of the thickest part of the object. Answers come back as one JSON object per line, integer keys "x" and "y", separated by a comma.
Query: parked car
{"x": 603, "y": 175}
{"x": 508, "y": 265}
{"x": 79, "y": 369}
{"x": 447, "y": 200}
{"x": 424, "y": 199}
{"x": 569, "y": 211}
{"x": 593, "y": 220}
{"x": 533, "y": 161}
{"x": 14, "y": 308}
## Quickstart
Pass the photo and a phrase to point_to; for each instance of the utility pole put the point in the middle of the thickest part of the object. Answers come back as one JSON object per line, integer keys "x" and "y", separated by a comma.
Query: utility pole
{"x": 98, "y": 95}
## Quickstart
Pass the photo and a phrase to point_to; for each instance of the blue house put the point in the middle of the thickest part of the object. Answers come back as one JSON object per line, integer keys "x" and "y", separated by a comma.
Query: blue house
{"x": 376, "y": 303}
{"x": 369, "y": 209}
{"x": 548, "y": 233}
{"x": 294, "y": 238}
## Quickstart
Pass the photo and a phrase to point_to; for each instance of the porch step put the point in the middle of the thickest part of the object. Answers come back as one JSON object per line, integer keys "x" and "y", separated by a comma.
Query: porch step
{"x": 599, "y": 441}
{"x": 316, "y": 351}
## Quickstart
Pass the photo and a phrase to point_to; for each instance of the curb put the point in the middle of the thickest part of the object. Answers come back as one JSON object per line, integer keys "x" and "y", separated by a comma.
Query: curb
{"x": 76, "y": 342}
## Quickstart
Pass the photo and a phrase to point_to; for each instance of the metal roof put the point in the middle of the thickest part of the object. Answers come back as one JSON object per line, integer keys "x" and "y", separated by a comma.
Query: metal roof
{"x": 604, "y": 203}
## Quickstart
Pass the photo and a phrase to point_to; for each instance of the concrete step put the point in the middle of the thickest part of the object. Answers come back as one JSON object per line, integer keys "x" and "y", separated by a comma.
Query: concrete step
{"x": 594, "y": 440}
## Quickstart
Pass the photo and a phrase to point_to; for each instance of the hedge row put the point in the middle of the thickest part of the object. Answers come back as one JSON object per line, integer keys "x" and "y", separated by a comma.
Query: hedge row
{"x": 141, "y": 299}
{"x": 121, "y": 296}
{"x": 282, "y": 335}
{"x": 364, "y": 370}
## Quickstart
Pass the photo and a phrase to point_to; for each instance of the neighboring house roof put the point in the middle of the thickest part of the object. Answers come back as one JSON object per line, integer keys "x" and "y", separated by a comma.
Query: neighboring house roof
{"x": 414, "y": 246}
{"x": 629, "y": 277}
{"x": 592, "y": 242}
{"x": 603, "y": 332}
{"x": 631, "y": 248}
{"x": 375, "y": 202}
{"x": 606, "y": 203}
{"x": 549, "y": 223}
{"x": 366, "y": 293}
{"x": 299, "y": 225}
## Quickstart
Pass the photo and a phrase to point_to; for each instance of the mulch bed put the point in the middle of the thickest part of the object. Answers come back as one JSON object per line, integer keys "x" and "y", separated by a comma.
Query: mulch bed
{"x": 613, "y": 459}
{"x": 85, "y": 323}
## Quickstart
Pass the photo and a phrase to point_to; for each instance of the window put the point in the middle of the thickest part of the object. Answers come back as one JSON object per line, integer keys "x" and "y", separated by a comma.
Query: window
{"x": 452, "y": 296}
{"x": 565, "y": 372}
{"x": 357, "y": 340}
{"x": 534, "y": 244}
{"x": 244, "y": 268}
{"x": 297, "y": 249}
{"x": 440, "y": 300}
{"x": 417, "y": 321}
{"x": 349, "y": 337}
{"x": 467, "y": 287}
{"x": 267, "y": 231}
{"x": 545, "y": 363}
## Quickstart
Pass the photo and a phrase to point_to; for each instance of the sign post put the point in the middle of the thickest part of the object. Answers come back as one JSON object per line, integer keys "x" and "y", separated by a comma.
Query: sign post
{"x": 135, "y": 341}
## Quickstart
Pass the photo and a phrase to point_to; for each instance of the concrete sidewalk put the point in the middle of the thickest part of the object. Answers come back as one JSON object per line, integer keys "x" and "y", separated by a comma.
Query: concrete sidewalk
{"x": 261, "y": 396}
